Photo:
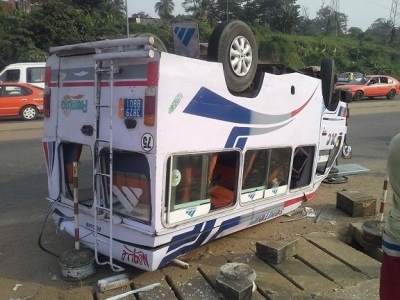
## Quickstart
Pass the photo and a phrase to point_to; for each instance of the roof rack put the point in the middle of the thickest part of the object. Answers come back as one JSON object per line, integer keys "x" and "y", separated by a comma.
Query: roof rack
{"x": 98, "y": 46}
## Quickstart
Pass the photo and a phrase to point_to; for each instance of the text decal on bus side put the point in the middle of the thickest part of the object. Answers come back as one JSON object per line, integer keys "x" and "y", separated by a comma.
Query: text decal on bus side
{"x": 175, "y": 103}
{"x": 69, "y": 103}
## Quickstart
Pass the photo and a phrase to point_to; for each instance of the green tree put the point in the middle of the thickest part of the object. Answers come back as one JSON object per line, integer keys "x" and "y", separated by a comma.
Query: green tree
{"x": 380, "y": 30}
{"x": 114, "y": 8}
{"x": 202, "y": 10}
{"x": 285, "y": 18}
{"x": 17, "y": 40}
{"x": 164, "y": 8}
{"x": 331, "y": 22}
{"x": 57, "y": 23}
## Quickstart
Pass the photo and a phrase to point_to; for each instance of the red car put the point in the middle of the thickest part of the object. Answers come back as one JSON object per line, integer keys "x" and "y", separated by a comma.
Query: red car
{"x": 20, "y": 99}
{"x": 372, "y": 86}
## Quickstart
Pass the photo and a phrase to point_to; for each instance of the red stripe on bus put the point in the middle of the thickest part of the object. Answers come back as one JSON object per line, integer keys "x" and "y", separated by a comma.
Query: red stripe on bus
{"x": 79, "y": 83}
{"x": 130, "y": 83}
{"x": 152, "y": 73}
{"x": 104, "y": 84}
{"x": 298, "y": 199}
{"x": 295, "y": 112}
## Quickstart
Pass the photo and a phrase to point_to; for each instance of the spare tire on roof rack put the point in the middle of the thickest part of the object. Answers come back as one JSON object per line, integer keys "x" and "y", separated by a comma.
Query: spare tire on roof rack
{"x": 233, "y": 44}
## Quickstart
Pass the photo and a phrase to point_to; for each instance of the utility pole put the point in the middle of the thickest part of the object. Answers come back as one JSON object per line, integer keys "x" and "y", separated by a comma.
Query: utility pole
{"x": 127, "y": 18}
{"x": 395, "y": 13}
{"x": 336, "y": 10}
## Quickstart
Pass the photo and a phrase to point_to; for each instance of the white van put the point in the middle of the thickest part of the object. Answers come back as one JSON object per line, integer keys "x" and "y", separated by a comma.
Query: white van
{"x": 32, "y": 73}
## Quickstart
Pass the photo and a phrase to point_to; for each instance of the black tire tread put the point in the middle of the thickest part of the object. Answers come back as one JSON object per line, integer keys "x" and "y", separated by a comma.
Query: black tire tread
{"x": 327, "y": 79}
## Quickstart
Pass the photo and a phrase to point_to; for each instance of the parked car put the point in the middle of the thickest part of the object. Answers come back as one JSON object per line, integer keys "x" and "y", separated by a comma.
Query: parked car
{"x": 372, "y": 86}
{"x": 344, "y": 77}
{"x": 20, "y": 99}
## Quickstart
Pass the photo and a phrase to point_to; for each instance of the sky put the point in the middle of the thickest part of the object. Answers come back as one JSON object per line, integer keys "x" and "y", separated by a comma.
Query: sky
{"x": 361, "y": 13}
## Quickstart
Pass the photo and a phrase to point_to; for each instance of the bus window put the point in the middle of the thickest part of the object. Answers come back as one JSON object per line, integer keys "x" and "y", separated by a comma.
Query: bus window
{"x": 199, "y": 183}
{"x": 73, "y": 152}
{"x": 131, "y": 184}
{"x": 302, "y": 167}
{"x": 265, "y": 173}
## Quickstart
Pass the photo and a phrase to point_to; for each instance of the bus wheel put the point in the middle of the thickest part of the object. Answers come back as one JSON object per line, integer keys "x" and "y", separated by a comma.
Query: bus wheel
{"x": 327, "y": 79}
{"x": 233, "y": 44}
{"x": 158, "y": 44}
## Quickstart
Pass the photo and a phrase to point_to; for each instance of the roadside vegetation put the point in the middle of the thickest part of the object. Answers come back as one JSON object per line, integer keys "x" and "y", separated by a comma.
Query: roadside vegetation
{"x": 283, "y": 30}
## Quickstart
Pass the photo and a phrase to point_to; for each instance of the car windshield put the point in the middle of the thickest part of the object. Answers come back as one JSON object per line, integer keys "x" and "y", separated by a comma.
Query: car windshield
{"x": 360, "y": 81}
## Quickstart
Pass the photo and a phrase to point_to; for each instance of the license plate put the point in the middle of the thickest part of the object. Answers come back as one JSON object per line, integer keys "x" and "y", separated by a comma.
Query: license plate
{"x": 133, "y": 108}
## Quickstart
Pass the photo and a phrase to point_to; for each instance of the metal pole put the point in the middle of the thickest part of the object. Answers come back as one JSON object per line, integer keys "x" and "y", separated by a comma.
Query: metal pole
{"x": 383, "y": 197}
{"x": 76, "y": 205}
{"x": 384, "y": 193}
{"x": 127, "y": 18}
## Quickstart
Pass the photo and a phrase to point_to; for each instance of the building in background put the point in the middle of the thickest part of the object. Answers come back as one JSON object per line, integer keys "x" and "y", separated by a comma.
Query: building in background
{"x": 10, "y": 5}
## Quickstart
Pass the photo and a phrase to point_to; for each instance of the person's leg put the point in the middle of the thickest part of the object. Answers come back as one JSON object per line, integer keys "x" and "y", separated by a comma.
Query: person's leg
{"x": 389, "y": 288}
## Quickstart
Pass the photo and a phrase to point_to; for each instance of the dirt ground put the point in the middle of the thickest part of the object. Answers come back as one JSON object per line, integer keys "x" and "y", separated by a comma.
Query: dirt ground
{"x": 27, "y": 272}
{"x": 39, "y": 272}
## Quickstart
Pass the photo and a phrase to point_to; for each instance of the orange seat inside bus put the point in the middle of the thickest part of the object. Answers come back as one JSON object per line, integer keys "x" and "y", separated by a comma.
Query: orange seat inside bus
{"x": 121, "y": 180}
{"x": 221, "y": 197}
{"x": 225, "y": 179}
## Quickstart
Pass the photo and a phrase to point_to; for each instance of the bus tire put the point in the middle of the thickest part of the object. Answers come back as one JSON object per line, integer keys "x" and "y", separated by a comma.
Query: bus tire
{"x": 158, "y": 44}
{"x": 233, "y": 44}
{"x": 327, "y": 79}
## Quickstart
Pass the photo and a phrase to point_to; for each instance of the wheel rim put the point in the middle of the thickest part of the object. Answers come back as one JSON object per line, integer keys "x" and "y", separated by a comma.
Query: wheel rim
{"x": 358, "y": 95}
{"x": 29, "y": 113}
{"x": 391, "y": 94}
{"x": 241, "y": 56}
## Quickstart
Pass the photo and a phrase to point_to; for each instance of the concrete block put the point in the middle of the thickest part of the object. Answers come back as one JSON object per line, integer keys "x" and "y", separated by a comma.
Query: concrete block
{"x": 356, "y": 233}
{"x": 234, "y": 281}
{"x": 276, "y": 251}
{"x": 356, "y": 204}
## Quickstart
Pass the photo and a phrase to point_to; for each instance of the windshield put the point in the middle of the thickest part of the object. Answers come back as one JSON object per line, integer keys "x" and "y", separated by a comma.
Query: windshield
{"x": 360, "y": 81}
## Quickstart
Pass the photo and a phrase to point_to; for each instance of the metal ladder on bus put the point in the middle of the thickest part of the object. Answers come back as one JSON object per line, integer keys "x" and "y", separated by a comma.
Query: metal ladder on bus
{"x": 101, "y": 211}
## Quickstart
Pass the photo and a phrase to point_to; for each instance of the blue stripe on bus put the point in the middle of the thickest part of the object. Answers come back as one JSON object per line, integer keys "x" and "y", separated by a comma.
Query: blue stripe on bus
{"x": 226, "y": 225}
{"x": 238, "y": 136}
{"x": 208, "y": 104}
{"x": 189, "y": 236}
{"x": 201, "y": 238}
